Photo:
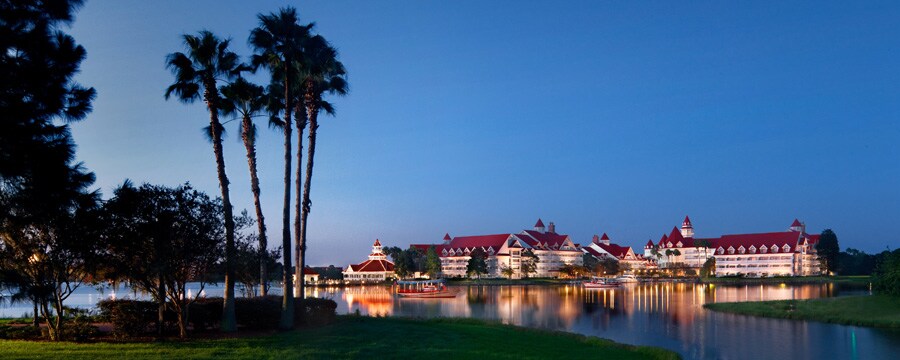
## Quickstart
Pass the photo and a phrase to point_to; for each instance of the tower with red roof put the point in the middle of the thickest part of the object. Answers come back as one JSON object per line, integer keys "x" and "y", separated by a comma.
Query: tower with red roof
{"x": 687, "y": 229}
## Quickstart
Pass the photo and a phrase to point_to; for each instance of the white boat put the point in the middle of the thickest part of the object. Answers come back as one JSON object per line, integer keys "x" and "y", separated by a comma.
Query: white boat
{"x": 601, "y": 283}
{"x": 627, "y": 278}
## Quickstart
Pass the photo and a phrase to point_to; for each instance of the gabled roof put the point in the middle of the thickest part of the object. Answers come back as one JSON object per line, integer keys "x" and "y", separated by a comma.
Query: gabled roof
{"x": 537, "y": 239}
{"x": 447, "y": 236}
{"x": 687, "y": 221}
{"x": 615, "y": 250}
{"x": 309, "y": 271}
{"x": 675, "y": 237}
{"x": 662, "y": 240}
{"x": 778, "y": 239}
{"x": 796, "y": 223}
{"x": 539, "y": 223}
{"x": 377, "y": 243}
{"x": 649, "y": 243}
{"x": 604, "y": 237}
{"x": 373, "y": 266}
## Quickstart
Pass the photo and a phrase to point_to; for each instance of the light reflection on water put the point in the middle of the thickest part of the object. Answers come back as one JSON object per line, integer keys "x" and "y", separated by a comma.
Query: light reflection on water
{"x": 669, "y": 315}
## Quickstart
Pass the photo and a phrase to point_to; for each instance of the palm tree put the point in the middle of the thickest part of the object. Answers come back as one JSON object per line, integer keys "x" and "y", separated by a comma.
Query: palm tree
{"x": 208, "y": 61}
{"x": 245, "y": 99}
{"x": 277, "y": 42}
{"x": 323, "y": 74}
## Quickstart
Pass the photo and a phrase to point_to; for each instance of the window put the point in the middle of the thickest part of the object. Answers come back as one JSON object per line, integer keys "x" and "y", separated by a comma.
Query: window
{"x": 741, "y": 249}
{"x": 721, "y": 251}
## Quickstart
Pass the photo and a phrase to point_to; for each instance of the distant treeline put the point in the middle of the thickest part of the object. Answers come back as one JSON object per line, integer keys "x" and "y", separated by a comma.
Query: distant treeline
{"x": 857, "y": 262}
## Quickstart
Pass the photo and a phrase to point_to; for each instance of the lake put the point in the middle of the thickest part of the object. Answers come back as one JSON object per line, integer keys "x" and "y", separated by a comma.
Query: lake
{"x": 668, "y": 315}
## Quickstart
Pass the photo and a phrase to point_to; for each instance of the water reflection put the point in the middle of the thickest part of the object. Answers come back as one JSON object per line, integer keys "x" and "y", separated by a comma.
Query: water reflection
{"x": 669, "y": 315}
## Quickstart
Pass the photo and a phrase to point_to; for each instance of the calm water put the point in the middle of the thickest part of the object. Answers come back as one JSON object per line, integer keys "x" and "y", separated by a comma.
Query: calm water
{"x": 665, "y": 315}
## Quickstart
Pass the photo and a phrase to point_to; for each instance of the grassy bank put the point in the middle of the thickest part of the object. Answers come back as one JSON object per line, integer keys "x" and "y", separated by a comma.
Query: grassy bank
{"x": 359, "y": 337}
{"x": 791, "y": 280}
{"x": 872, "y": 310}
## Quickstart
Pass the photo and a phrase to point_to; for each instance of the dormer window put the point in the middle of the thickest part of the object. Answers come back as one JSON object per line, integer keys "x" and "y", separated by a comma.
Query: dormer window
{"x": 444, "y": 252}
{"x": 774, "y": 249}
{"x": 731, "y": 250}
{"x": 787, "y": 248}
{"x": 753, "y": 249}
{"x": 490, "y": 251}
{"x": 678, "y": 244}
{"x": 763, "y": 249}
{"x": 669, "y": 244}
{"x": 720, "y": 251}
{"x": 741, "y": 249}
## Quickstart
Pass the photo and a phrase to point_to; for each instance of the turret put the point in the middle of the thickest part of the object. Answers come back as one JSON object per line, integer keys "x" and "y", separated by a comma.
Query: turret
{"x": 604, "y": 239}
{"x": 798, "y": 226}
{"x": 539, "y": 226}
{"x": 377, "y": 253}
{"x": 687, "y": 229}
{"x": 447, "y": 239}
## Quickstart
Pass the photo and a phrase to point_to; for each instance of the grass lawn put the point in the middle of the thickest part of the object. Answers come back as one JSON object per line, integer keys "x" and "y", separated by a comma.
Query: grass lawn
{"x": 360, "y": 337}
{"x": 870, "y": 310}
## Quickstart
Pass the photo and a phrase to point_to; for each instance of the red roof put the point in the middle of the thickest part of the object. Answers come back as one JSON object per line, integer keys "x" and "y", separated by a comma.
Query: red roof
{"x": 373, "y": 266}
{"x": 675, "y": 237}
{"x": 778, "y": 239}
{"x": 447, "y": 236}
{"x": 649, "y": 244}
{"x": 539, "y": 223}
{"x": 813, "y": 239}
{"x": 662, "y": 240}
{"x": 615, "y": 250}
{"x": 309, "y": 271}
{"x": 796, "y": 223}
{"x": 377, "y": 243}
{"x": 545, "y": 239}
{"x": 687, "y": 221}
{"x": 604, "y": 237}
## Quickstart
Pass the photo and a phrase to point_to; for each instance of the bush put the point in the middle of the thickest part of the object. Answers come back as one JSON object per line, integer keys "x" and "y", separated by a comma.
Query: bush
{"x": 20, "y": 332}
{"x": 206, "y": 313}
{"x": 129, "y": 318}
{"x": 887, "y": 274}
{"x": 258, "y": 312}
{"x": 314, "y": 311}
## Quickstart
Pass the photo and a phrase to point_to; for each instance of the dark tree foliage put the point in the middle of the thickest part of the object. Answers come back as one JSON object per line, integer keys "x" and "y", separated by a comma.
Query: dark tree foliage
{"x": 45, "y": 204}
{"x": 406, "y": 262}
{"x": 609, "y": 266}
{"x": 330, "y": 272}
{"x": 828, "y": 250}
{"x": 247, "y": 259}
{"x": 38, "y": 62}
{"x": 477, "y": 265}
{"x": 432, "y": 263}
{"x": 160, "y": 238}
{"x": 856, "y": 262}
{"x": 887, "y": 273}
{"x": 528, "y": 264}
{"x": 590, "y": 263}
{"x": 709, "y": 267}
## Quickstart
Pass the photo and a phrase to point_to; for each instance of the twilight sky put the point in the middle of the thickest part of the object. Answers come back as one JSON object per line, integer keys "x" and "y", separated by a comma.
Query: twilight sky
{"x": 479, "y": 117}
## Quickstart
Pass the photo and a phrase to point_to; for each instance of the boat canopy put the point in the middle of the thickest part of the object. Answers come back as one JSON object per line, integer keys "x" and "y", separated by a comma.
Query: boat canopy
{"x": 421, "y": 282}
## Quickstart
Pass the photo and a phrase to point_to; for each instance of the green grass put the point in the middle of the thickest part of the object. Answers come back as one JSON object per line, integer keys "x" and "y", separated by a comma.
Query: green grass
{"x": 866, "y": 310}
{"x": 360, "y": 337}
{"x": 792, "y": 280}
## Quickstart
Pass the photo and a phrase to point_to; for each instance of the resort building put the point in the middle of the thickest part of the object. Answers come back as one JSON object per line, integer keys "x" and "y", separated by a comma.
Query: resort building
{"x": 310, "y": 276}
{"x": 783, "y": 253}
{"x": 376, "y": 269}
{"x": 601, "y": 248}
{"x": 506, "y": 251}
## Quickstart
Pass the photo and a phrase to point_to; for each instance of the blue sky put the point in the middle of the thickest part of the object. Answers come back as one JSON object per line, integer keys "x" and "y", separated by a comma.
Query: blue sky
{"x": 479, "y": 117}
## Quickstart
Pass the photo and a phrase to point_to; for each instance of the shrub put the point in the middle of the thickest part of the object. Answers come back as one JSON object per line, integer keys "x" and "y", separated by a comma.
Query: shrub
{"x": 20, "y": 332}
{"x": 206, "y": 313}
{"x": 258, "y": 312}
{"x": 887, "y": 274}
{"x": 314, "y": 311}
{"x": 129, "y": 318}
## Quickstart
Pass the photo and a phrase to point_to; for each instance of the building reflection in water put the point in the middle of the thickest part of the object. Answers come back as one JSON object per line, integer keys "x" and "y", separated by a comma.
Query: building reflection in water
{"x": 662, "y": 314}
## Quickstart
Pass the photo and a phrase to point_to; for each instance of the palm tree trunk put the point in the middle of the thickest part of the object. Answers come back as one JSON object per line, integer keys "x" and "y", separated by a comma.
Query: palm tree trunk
{"x": 312, "y": 112}
{"x": 300, "y": 118}
{"x": 260, "y": 220}
{"x": 287, "y": 297}
{"x": 229, "y": 322}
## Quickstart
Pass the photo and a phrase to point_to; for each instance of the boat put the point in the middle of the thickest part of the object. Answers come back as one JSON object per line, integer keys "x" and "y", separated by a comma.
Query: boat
{"x": 424, "y": 289}
{"x": 627, "y": 278}
{"x": 601, "y": 283}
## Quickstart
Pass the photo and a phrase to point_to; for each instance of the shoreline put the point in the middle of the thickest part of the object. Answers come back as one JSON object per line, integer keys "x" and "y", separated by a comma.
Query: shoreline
{"x": 877, "y": 311}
